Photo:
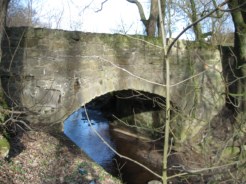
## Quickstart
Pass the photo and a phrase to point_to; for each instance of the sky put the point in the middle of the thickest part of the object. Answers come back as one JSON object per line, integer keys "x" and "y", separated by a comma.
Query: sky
{"x": 115, "y": 16}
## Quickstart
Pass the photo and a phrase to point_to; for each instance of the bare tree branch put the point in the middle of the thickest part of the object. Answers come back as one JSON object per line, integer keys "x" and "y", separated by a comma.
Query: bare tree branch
{"x": 141, "y": 11}
{"x": 6, "y": 111}
{"x": 233, "y": 9}
{"x": 88, "y": 5}
{"x": 101, "y": 6}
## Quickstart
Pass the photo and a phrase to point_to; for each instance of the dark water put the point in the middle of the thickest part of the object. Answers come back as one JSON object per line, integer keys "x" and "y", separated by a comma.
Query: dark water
{"x": 79, "y": 130}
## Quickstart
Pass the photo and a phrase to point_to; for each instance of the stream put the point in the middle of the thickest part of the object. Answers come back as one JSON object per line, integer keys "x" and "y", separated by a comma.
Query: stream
{"x": 82, "y": 133}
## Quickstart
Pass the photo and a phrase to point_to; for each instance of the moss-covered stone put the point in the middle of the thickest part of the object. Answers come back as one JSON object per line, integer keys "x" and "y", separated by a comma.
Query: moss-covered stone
{"x": 3, "y": 103}
{"x": 4, "y": 147}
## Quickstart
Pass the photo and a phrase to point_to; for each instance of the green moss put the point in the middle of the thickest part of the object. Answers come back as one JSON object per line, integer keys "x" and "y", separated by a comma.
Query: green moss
{"x": 4, "y": 147}
{"x": 201, "y": 45}
{"x": 3, "y": 103}
{"x": 230, "y": 153}
{"x": 4, "y": 142}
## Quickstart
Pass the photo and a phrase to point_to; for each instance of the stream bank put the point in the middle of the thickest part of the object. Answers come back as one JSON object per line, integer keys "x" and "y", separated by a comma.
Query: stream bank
{"x": 41, "y": 157}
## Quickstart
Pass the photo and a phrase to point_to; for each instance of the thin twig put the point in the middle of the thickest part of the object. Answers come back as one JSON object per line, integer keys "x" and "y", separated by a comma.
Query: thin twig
{"x": 146, "y": 80}
{"x": 130, "y": 73}
{"x": 101, "y": 6}
{"x": 11, "y": 119}
{"x": 195, "y": 171}
{"x": 134, "y": 126}
{"x": 144, "y": 41}
{"x": 6, "y": 111}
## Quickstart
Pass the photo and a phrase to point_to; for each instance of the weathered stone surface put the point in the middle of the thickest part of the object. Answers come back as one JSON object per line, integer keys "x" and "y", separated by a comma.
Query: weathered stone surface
{"x": 53, "y": 72}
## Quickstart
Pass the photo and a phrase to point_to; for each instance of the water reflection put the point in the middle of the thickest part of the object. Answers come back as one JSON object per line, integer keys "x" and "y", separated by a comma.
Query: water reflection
{"x": 78, "y": 129}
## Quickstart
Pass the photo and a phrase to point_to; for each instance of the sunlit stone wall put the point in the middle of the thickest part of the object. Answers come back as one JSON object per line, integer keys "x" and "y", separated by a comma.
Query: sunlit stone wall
{"x": 52, "y": 73}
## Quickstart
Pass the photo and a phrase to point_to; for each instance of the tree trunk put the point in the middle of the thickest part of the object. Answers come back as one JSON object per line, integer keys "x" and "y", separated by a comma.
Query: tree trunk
{"x": 151, "y": 24}
{"x": 239, "y": 20}
{"x": 163, "y": 9}
{"x": 197, "y": 28}
{"x": 3, "y": 11}
{"x": 234, "y": 72}
{"x": 151, "y": 28}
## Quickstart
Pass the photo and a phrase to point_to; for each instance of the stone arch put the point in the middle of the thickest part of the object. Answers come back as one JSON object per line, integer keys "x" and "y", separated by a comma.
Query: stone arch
{"x": 138, "y": 101}
{"x": 54, "y": 71}
{"x": 127, "y": 135}
{"x": 134, "y": 107}
{"x": 106, "y": 98}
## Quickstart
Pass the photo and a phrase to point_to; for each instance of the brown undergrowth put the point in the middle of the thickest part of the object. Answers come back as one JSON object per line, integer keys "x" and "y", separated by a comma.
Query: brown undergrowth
{"x": 39, "y": 157}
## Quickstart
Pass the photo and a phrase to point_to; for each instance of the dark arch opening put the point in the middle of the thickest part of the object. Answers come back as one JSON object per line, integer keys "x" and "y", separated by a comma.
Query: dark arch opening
{"x": 132, "y": 108}
{"x": 139, "y": 100}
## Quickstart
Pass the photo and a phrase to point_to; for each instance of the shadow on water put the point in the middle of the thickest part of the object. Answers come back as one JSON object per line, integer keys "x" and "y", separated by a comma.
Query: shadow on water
{"x": 79, "y": 130}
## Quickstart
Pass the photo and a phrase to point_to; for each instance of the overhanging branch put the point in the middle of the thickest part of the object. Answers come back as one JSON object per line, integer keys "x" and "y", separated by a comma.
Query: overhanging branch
{"x": 141, "y": 11}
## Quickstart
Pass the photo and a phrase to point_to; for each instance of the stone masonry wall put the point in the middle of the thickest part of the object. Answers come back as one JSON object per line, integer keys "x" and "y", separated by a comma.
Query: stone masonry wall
{"x": 51, "y": 73}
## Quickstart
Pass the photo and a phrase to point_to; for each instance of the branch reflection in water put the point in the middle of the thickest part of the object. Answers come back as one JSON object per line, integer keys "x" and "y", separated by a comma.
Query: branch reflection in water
{"x": 77, "y": 128}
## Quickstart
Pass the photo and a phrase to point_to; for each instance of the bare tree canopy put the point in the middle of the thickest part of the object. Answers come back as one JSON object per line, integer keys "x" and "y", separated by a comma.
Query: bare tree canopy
{"x": 20, "y": 15}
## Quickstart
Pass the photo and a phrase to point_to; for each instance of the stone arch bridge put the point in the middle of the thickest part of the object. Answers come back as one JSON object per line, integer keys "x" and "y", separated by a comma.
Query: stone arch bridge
{"x": 51, "y": 73}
